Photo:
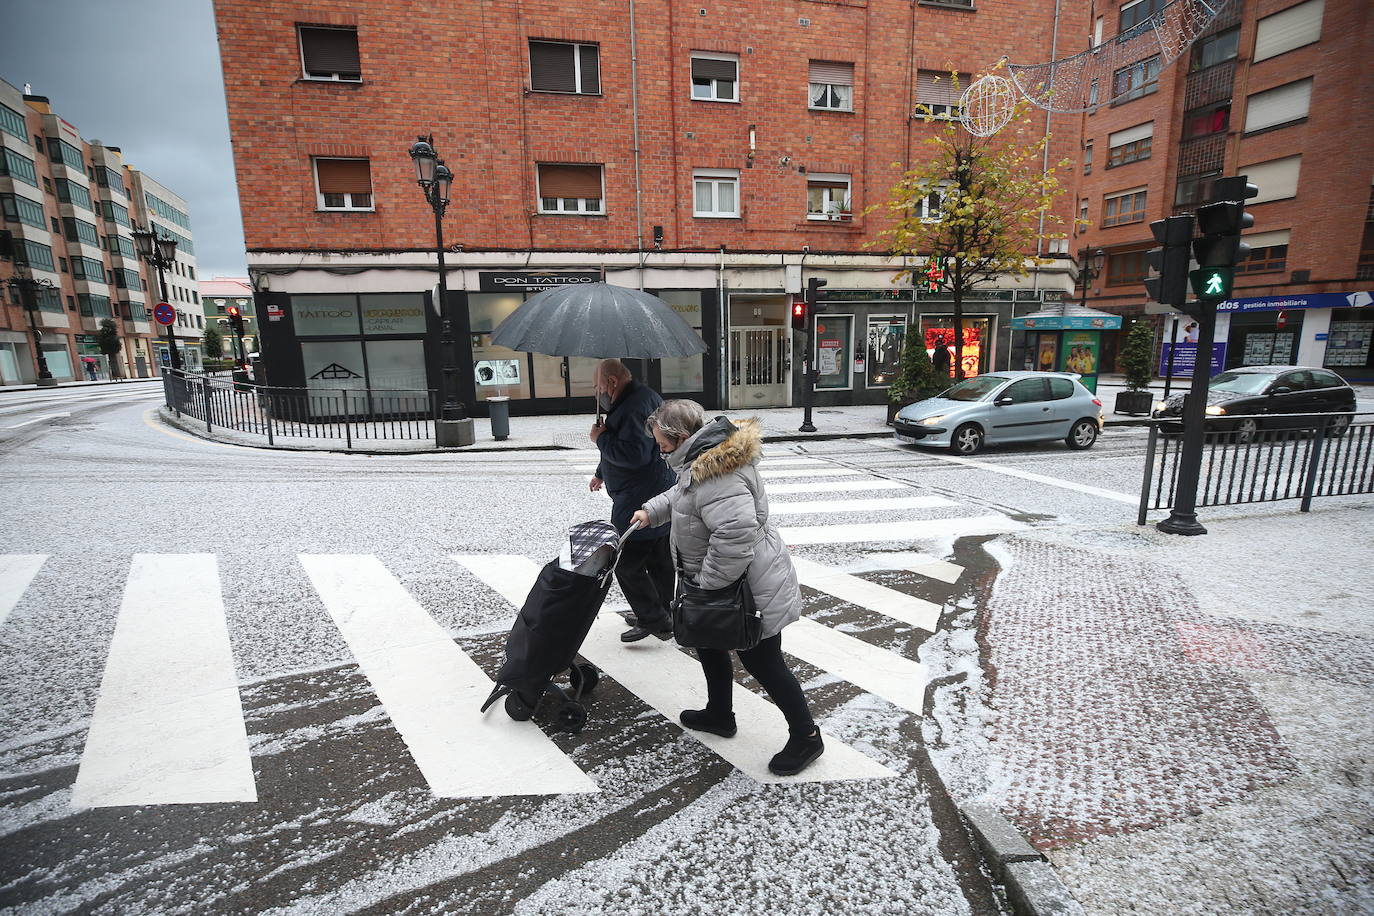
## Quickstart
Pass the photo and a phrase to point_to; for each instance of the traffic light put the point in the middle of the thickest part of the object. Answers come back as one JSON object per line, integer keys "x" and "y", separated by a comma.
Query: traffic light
{"x": 1169, "y": 284}
{"x": 798, "y": 315}
{"x": 801, "y": 311}
{"x": 235, "y": 319}
{"x": 1218, "y": 248}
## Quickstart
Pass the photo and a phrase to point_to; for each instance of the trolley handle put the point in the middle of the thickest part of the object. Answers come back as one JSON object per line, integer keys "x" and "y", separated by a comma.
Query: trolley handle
{"x": 620, "y": 545}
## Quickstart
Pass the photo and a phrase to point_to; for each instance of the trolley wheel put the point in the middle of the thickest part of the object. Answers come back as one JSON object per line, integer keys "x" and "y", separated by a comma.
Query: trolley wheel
{"x": 584, "y": 676}
{"x": 572, "y": 716}
{"x": 517, "y": 708}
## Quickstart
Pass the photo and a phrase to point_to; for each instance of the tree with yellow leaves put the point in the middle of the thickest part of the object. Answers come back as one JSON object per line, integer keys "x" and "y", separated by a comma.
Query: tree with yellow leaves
{"x": 979, "y": 203}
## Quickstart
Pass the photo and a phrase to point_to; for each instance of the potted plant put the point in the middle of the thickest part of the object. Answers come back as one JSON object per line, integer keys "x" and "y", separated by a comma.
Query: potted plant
{"x": 1135, "y": 363}
{"x": 916, "y": 378}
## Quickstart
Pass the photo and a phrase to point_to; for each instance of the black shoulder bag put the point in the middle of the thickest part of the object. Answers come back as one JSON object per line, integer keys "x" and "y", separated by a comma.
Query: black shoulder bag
{"x": 715, "y": 618}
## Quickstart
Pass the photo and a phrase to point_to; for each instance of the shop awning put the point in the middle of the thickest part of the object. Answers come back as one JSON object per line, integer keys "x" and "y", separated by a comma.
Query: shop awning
{"x": 1066, "y": 316}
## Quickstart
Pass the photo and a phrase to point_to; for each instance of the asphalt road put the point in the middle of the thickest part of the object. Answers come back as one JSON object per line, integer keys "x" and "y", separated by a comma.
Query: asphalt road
{"x": 243, "y": 680}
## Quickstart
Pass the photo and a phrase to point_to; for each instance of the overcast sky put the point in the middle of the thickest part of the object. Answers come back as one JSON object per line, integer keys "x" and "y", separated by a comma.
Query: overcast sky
{"x": 142, "y": 75}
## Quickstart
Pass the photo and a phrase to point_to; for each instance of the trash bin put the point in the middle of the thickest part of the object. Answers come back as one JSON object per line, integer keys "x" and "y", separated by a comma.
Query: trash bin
{"x": 499, "y": 408}
{"x": 242, "y": 380}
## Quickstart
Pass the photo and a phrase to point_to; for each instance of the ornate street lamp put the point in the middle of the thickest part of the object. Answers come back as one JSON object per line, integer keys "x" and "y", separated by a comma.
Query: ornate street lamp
{"x": 161, "y": 252}
{"x": 27, "y": 288}
{"x": 435, "y": 180}
{"x": 1092, "y": 267}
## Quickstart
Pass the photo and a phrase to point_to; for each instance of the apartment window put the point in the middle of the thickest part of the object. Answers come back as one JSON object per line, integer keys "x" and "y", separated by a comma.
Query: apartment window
{"x": 939, "y": 92}
{"x": 571, "y": 189}
{"x": 138, "y": 311}
{"x": 107, "y": 177}
{"x": 18, "y": 167}
{"x": 1215, "y": 49}
{"x": 831, "y": 86}
{"x": 330, "y": 53}
{"x": 1277, "y": 106}
{"x": 1202, "y": 122}
{"x": 930, "y": 207}
{"x": 62, "y": 264}
{"x": 12, "y": 122}
{"x": 1291, "y": 28}
{"x": 78, "y": 230}
{"x": 1083, "y": 213}
{"x": 1194, "y": 189}
{"x": 61, "y": 151}
{"x": 56, "y": 225}
{"x": 19, "y": 209}
{"x": 118, "y": 244}
{"x": 343, "y": 184}
{"x": 1276, "y": 179}
{"x": 191, "y": 271}
{"x": 827, "y": 197}
{"x": 88, "y": 269}
{"x": 167, "y": 212}
{"x": 1127, "y": 267}
{"x": 1123, "y": 207}
{"x": 35, "y": 254}
{"x": 200, "y": 321}
{"x": 69, "y": 192}
{"x": 1088, "y": 158}
{"x": 715, "y": 193}
{"x": 1139, "y": 79}
{"x": 1130, "y": 145}
{"x": 715, "y": 77}
{"x": 557, "y": 66}
{"x": 1268, "y": 252}
{"x": 114, "y": 213}
{"x": 128, "y": 279}
{"x": 1092, "y": 94}
{"x": 1133, "y": 14}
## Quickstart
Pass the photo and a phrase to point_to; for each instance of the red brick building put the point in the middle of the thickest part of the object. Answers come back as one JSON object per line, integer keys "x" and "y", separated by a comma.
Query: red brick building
{"x": 1276, "y": 90}
{"x": 716, "y": 153}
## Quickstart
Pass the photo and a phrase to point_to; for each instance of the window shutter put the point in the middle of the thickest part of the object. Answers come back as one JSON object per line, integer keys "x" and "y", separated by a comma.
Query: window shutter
{"x": 827, "y": 183}
{"x": 1131, "y": 134}
{"x": 551, "y": 67}
{"x": 570, "y": 181}
{"x": 1278, "y": 106}
{"x": 1276, "y": 179}
{"x": 705, "y": 68}
{"x": 1294, "y": 27}
{"x": 591, "y": 69}
{"x": 832, "y": 74}
{"x": 344, "y": 176}
{"x": 936, "y": 88}
{"x": 1267, "y": 239}
{"x": 330, "y": 50}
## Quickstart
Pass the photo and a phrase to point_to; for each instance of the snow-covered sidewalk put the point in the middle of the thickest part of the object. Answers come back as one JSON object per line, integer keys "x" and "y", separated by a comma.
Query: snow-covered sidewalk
{"x": 1179, "y": 724}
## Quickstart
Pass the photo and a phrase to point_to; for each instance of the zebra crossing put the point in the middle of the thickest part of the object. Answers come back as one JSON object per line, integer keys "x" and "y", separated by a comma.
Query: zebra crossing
{"x": 168, "y": 724}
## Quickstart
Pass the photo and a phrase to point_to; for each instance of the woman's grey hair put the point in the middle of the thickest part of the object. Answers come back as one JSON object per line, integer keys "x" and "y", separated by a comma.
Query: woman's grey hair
{"x": 678, "y": 419}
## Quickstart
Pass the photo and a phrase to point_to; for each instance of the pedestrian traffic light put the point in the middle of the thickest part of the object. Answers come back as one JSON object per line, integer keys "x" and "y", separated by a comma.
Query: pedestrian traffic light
{"x": 1218, "y": 247}
{"x": 1212, "y": 282}
{"x": 1169, "y": 284}
{"x": 799, "y": 315}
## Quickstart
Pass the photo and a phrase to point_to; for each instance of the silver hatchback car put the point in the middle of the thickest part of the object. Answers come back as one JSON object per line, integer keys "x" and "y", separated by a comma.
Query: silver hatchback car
{"x": 1004, "y": 407}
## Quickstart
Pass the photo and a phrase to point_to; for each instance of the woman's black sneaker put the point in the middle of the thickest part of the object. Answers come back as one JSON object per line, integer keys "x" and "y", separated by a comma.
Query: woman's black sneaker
{"x": 797, "y": 754}
{"x": 702, "y": 720}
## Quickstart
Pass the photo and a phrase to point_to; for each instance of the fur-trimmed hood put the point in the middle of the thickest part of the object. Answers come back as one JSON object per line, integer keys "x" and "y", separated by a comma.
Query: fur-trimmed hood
{"x": 721, "y": 447}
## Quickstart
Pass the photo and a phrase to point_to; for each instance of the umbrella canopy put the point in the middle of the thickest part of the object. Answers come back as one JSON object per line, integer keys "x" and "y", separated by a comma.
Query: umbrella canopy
{"x": 598, "y": 320}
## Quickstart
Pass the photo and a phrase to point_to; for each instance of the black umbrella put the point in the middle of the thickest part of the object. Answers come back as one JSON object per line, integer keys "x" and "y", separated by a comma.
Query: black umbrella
{"x": 598, "y": 320}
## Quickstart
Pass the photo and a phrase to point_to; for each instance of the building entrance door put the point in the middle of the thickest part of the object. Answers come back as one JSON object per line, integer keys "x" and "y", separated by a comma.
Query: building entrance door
{"x": 759, "y": 366}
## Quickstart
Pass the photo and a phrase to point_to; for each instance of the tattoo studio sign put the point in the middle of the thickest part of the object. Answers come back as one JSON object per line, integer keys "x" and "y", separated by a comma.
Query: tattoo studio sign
{"x": 532, "y": 282}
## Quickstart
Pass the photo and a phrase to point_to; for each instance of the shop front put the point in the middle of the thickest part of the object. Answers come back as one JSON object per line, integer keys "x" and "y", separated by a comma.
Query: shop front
{"x": 1067, "y": 338}
{"x": 1331, "y": 330}
{"x": 858, "y": 339}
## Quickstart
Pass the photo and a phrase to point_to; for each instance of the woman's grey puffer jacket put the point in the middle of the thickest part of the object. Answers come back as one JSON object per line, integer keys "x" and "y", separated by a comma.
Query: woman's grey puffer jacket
{"x": 720, "y": 519}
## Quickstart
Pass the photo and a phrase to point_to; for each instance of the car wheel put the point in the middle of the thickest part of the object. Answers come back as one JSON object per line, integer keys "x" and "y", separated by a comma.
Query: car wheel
{"x": 966, "y": 440}
{"x": 1247, "y": 430}
{"x": 1081, "y": 435}
{"x": 1338, "y": 426}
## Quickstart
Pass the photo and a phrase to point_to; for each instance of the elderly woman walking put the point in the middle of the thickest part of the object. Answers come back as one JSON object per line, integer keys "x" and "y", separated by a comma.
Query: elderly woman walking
{"x": 721, "y": 532}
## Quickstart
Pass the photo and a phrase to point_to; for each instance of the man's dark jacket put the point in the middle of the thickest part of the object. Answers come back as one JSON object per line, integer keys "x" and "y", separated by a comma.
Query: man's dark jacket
{"x": 631, "y": 467}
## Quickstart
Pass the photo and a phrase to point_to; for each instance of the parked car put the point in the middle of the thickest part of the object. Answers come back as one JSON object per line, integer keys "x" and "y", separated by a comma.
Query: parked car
{"x": 1260, "y": 396}
{"x": 1004, "y": 407}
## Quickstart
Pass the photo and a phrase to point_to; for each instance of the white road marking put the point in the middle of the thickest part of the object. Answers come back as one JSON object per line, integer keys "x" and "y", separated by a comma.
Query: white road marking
{"x": 51, "y": 416}
{"x": 880, "y": 599}
{"x": 881, "y": 672}
{"x": 887, "y": 504}
{"x": 795, "y": 462}
{"x": 900, "y": 531}
{"x": 16, "y": 572}
{"x": 670, "y": 680}
{"x": 168, "y": 724}
{"x": 433, "y": 692}
{"x": 836, "y": 486}
{"x": 1028, "y": 475}
{"x": 808, "y": 472}
{"x": 921, "y": 563}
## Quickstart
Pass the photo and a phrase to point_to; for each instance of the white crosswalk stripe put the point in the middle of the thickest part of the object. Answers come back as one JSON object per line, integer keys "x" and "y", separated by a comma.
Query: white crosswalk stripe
{"x": 807, "y": 472}
{"x": 667, "y": 679}
{"x": 433, "y": 692}
{"x": 168, "y": 724}
{"x": 836, "y": 486}
{"x": 832, "y": 506}
{"x": 880, "y": 599}
{"x": 893, "y": 677}
{"x": 923, "y": 529}
{"x": 16, "y": 572}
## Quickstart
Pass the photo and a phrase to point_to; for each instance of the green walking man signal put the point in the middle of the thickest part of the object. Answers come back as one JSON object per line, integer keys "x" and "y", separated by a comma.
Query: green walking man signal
{"x": 1212, "y": 282}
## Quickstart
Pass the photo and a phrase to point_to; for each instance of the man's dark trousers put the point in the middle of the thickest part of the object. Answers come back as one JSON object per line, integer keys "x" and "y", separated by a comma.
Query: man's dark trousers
{"x": 647, "y": 578}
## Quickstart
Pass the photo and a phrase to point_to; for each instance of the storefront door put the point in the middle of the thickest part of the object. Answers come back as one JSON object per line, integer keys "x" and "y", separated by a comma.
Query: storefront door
{"x": 758, "y": 366}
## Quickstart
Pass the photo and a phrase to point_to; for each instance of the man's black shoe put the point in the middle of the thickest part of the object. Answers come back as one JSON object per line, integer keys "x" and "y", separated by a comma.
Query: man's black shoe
{"x": 636, "y": 633}
{"x": 702, "y": 720}
{"x": 797, "y": 755}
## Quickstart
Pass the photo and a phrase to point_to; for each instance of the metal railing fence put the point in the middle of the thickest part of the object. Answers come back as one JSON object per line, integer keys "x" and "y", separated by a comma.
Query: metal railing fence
{"x": 1309, "y": 455}
{"x": 348, "y": 414}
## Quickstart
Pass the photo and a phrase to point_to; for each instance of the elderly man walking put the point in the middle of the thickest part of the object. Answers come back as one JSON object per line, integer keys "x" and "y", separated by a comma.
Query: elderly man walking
{"x": 633, "y": 472}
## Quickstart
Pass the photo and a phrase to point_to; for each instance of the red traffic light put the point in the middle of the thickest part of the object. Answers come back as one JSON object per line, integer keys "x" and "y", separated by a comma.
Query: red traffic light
{"x": 232, "y": 311}
{"x": 799, "y": 315}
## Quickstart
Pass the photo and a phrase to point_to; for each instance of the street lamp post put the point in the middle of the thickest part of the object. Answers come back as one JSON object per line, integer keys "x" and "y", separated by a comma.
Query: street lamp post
{"x": 28, "y": 288}
{"x": 453, "y": 427}
{"x": 1092, "y": 268}
{"x": 161, "y": 252}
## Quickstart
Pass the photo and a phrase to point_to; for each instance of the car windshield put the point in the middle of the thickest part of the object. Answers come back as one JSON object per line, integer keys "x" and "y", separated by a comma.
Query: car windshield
{"x": 973, "y": 389}
{"x": 1241, "y": 382}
